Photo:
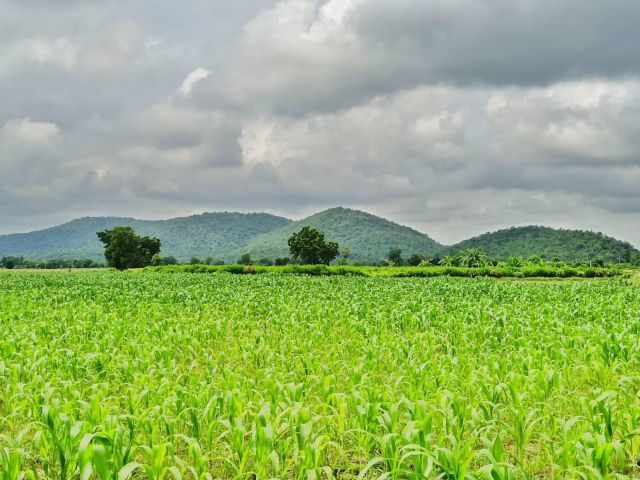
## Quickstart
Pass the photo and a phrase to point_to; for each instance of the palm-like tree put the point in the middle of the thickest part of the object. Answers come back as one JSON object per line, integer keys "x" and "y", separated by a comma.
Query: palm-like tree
{"x": 515, "y": 262}
{"x": 448, "y": 261}
{"x": 473, "y": 258}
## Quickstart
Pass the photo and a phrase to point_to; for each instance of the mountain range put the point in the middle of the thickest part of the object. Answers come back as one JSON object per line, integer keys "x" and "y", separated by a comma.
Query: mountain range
{"x": 227, "y": 235}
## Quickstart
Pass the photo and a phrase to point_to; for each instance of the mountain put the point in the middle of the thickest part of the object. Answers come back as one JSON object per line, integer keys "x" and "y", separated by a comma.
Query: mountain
{"x": 567, "y": 245}
{"x": 211, "y": 234}
{"x": 228, "y": 235}
{"x": 367, "y": 236}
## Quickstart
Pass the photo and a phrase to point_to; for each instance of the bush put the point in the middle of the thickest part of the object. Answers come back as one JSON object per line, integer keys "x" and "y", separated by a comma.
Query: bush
{"x": 495, "y": 272}
{"x": 529, "y": 271}
{"x": 315, "y": 270}
{"x": 590, "y": 273}
{"x": 568, "y": 272}
{"x": 236, "y": 269}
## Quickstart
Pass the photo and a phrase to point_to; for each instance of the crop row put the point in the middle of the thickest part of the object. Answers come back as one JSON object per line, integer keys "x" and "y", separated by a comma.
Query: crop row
{"x": 136, "y": 375}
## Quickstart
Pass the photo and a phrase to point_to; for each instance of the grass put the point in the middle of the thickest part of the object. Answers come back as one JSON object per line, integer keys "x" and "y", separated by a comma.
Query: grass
{"x": 147, "y": 375}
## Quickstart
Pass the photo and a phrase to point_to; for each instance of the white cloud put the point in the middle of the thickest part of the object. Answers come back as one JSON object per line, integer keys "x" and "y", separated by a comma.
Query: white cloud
{"x": 573, "y": 120}
{"x": 193, "y": 78}
{"x": 30, "y": 132}
{"x": 410, "y": 134}
{"x": 59, "y": 53}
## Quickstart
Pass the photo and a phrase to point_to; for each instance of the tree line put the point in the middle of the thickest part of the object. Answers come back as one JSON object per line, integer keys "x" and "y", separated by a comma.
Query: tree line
{"x": 477, "y": 258}
{"x": 12, "y": 262}
{"x": 123, "y": 249}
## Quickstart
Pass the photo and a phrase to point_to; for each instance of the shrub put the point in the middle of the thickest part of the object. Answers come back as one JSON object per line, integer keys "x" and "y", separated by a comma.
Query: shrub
{"x": 235, "y": 269}
{"x": 589, "y": 273}
{"x": 495, "y": 272}
{"x": 530, "y": 271}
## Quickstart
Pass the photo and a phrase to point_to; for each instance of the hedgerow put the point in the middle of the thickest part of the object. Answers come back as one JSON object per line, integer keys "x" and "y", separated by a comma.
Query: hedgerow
{"x": 528, "y": 271}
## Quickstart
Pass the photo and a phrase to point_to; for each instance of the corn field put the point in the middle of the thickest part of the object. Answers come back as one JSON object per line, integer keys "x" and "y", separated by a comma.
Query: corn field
{"x": 184, "y": 376}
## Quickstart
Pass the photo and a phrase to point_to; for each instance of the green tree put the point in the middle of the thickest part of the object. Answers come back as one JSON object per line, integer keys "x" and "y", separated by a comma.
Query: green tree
{"x": 415, "y": 260}
{"x": 245, "y": 259}
{"x": 535, "y": 260}
{"x": 395, "y": 257}
{"x": 556, "y": 262}
{"x": 310, "y": 247}
{"x": 9, "y": 262}
{"x": 124, "y": 249}
{"x": 194, "y": 261}
{"x": 280, "y": 262}
{"x": 449, "y": 261}
{"x": 515, "y": 261}
{"x": 345, "y": 253}
{"x": 170, "y": 260}
{"x": 473, "y": 258}
{"x": 266, "y": 262}
{"x": 54, "y": 264}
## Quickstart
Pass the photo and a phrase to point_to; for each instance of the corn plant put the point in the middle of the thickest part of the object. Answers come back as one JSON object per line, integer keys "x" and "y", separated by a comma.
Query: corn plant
{"x": 152, "y": 375}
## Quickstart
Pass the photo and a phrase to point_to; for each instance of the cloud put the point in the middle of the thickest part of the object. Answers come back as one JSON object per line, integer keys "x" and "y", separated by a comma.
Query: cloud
{"x": 455, "y": 117}
{"x": 578, "y": 121}
{"x": 193, "y": 78}
{"x": 28, "y": 148}
{"x": 311, "y": 55}
{"x": 30, "y": 132}
{"x": 60, "y": 53}
{"x": 468, "y": 153}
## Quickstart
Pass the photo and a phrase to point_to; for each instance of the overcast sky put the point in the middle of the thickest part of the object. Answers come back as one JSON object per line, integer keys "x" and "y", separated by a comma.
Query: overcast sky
{"x": 455, "y": 117}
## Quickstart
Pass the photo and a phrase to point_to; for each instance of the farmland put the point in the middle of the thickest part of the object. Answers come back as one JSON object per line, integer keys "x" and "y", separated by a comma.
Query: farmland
{"x": 155, "y": 375}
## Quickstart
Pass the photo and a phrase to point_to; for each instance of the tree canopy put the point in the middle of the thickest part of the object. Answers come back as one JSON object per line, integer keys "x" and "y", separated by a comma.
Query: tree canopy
{"x": 124, "y": 249}
{"x": 394, "y": 257}
{"x": 309, "y": 246}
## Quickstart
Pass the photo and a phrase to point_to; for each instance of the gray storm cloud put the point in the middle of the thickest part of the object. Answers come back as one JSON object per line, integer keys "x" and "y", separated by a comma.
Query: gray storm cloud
{"x": 455, "y": 117}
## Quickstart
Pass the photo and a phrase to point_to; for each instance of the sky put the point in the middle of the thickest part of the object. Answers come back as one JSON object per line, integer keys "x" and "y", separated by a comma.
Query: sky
{"x": 455, "y": 117}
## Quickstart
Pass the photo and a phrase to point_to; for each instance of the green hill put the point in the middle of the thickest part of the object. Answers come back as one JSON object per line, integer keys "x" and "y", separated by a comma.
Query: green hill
{"x": 228, "y": 235}
{"x": 368, "y": 237}
{"x": 211, "y": 234}
{"x": 567, "y": 245}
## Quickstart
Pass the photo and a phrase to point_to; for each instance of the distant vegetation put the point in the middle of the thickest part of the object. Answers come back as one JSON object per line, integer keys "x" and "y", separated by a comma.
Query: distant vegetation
{"x": 262, "y": 239}
{"x": 218, "y": 235}
{"x": 365, "y": 238}
{"x": 567, "y": 245}
{"x": 502, "y": 271}
{"x": 52, "y": 264}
